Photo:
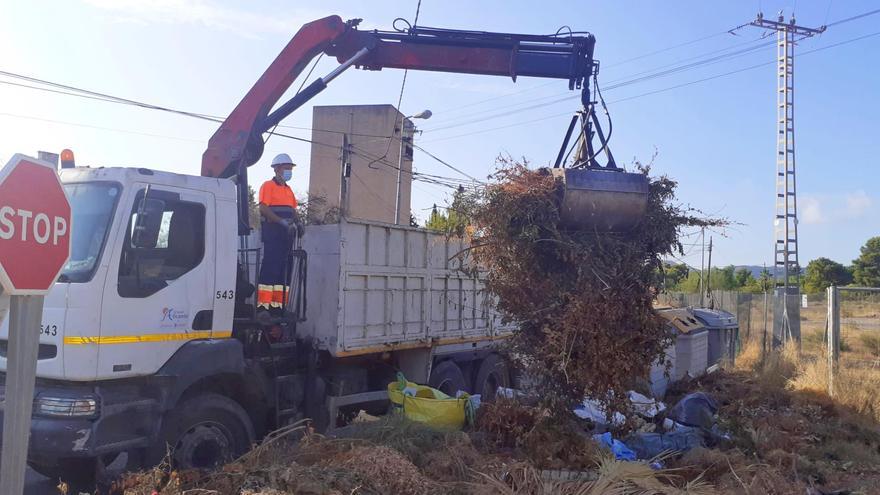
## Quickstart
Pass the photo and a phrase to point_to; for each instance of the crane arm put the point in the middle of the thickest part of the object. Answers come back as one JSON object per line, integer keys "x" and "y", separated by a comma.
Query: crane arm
{"x": 238, "y": 143}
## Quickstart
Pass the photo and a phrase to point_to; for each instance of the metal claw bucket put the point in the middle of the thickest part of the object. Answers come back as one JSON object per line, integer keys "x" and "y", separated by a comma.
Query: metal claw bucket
{"x": 602, "y": 200}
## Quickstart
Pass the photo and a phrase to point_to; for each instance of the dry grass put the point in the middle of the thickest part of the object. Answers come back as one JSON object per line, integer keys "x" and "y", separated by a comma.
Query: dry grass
{"x": 749, "y": 357}
{"x": 614, "y": 478}
{"x": 856, "y": 382}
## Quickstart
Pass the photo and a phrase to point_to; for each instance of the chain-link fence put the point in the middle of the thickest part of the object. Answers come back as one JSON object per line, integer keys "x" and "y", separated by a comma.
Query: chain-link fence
{"x": 853, "y": 336}
{"x": 756, "y": 313}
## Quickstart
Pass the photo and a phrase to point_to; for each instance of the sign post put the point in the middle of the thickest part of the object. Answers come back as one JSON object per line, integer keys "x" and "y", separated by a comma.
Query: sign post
{"x": 35, "y": 226}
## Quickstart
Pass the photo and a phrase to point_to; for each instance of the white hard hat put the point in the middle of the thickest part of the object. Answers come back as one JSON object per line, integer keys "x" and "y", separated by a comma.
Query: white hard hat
{"x": 282, "y": 159}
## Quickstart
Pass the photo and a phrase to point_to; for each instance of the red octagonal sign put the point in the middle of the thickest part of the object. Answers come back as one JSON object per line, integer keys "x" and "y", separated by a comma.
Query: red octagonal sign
{"x": 35, "y": 226}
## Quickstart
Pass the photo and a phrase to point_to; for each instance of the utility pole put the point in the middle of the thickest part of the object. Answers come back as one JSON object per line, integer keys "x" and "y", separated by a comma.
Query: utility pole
{"x": 709, "y": 277}
{"x": 786, "y": 325}
{"x": 404, "y": 143}
{"x": 702, "y": 264}
{"x": 345, "y": 175}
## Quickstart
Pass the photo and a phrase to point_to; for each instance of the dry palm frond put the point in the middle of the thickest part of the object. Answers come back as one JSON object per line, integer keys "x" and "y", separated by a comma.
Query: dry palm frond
{"x": 615, "y": 477}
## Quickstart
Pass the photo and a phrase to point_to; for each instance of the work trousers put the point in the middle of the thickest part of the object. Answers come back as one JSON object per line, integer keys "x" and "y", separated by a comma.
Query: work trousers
{"x": 274, "y": 280}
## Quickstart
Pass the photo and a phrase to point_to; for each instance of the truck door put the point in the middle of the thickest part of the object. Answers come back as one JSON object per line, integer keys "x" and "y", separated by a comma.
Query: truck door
{"x": 160, "y": 283}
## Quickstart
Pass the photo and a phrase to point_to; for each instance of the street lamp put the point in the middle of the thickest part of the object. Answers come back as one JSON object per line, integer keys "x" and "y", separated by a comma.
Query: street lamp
{"x": 424, "y": 114}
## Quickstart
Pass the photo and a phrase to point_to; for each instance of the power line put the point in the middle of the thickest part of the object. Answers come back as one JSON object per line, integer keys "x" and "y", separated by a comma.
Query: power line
{"x": 94, "y": 95}
{"x": 655, "y": 52}
{"x": 615, "y": 64}
{"x": 689, "y": 83}
{"x": 648, "y": 75}
{"x": 88, "y": 126}
{"x": 853, "y": 18}
{"x": 632, "y": 79}
{"x": 827, "y": 11}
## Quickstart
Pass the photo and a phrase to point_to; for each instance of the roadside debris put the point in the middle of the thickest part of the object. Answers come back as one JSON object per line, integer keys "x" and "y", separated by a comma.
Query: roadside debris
{"x": 583, "y": 301}
{"x": 424, "y": 404}
{"x": 780, "y": 442}
{"x": 620, "y": 450}
{"x": 695, "y": 409}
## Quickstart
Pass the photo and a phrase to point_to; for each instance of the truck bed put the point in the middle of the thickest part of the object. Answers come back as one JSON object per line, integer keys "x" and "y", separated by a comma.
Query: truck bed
{"x": 375, "y": 287}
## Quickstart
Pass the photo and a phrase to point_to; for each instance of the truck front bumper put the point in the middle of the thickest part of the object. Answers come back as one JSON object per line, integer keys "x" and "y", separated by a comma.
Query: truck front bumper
{"x": 121, "y": 423}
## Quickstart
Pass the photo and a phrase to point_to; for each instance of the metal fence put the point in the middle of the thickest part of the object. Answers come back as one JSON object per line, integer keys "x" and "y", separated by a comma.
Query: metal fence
{"x": 853, "y": 336}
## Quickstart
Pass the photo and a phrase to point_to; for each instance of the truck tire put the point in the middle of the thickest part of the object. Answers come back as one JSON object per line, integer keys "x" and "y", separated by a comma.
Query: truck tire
{"x": 204, "y": 432}
{"x": 492, "y": 373}
{"x": 448, "y": 378}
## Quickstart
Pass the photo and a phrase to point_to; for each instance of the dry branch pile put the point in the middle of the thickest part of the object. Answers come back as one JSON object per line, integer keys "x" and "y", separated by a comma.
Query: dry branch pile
{"x": 582, "y": 301}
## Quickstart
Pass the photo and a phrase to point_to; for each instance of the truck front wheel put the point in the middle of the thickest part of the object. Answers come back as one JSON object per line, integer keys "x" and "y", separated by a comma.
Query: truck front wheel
{"x": 204, "y": 432}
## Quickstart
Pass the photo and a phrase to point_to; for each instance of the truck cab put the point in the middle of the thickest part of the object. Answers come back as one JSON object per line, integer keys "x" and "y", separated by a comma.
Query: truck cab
{"x": 134, "y": 293}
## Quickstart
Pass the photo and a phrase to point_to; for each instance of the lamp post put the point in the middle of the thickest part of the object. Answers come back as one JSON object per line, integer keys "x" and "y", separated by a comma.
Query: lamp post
{"x": 424, "y": 114}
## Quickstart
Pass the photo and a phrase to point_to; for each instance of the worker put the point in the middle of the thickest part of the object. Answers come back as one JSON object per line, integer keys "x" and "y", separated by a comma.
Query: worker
{"x": 280, "y": 225}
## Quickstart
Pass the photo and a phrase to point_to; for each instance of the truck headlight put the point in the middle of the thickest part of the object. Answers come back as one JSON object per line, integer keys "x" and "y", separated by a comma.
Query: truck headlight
{"x": 66, "y": 407}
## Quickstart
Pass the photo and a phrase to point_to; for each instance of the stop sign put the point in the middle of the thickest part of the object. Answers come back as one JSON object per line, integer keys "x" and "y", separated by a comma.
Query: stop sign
{"x": 35, "y": 226}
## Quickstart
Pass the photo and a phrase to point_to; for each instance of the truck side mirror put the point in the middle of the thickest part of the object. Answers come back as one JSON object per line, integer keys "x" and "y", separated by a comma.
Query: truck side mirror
{"x": 148, "y": 223}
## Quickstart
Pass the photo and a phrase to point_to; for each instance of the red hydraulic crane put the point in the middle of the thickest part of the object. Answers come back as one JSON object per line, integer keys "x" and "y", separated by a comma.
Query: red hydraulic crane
{"x": 601, "y": 197}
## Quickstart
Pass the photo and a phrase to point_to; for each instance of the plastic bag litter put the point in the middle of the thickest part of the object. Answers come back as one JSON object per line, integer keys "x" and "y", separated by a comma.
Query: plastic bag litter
{"x": 650, "y": 445}
{"x": 619, "y": 449}
{"x": 695, "y": 409}
{"x": 645, "y": 406}
{"x": 594, "y": 412}
{"x": 642, "y": 405}
{"x": 428, "y": 405}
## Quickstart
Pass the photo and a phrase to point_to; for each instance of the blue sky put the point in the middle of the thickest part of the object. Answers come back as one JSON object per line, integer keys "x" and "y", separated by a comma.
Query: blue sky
{"x": 716, "y": 138}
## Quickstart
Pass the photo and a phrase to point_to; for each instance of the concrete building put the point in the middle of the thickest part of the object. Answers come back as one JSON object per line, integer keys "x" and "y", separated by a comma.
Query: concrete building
{"x": 368, "y": 137}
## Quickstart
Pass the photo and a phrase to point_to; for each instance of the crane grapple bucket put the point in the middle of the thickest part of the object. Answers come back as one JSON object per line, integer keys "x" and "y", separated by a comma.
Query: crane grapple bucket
{"x": 602, "y": 200}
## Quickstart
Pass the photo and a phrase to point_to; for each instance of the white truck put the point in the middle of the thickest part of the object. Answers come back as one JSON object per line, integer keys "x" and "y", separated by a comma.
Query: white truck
{"x": 150, "y": 340}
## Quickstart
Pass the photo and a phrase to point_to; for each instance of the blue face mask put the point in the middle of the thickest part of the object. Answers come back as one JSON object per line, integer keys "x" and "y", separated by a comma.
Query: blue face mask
{"x": 287, "y": 175}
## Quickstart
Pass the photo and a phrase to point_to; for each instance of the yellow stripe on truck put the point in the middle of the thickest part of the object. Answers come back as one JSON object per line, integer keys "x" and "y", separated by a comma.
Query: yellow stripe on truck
{"x": 152, "y": 337}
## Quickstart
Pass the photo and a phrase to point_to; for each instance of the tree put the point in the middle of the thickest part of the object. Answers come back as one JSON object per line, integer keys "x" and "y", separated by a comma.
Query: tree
{"x": 743, "y": 277}
{"x": 763, "y": 283}
{"x": 722, "y": 278}
{"x": 458, "y": 217}
{"x": 437, "y": 221}
{"x": 822, "y": 273}
{"x": 673, "y": 274}
{"x": 253, "y": 208}
{"x": 691, "y": 283}
{"x": 866, "y": 268}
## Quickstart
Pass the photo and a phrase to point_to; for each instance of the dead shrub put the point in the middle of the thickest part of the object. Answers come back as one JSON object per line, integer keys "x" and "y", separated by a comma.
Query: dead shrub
{"x": 583, "y": 301}
{"x": 506, "y": 422}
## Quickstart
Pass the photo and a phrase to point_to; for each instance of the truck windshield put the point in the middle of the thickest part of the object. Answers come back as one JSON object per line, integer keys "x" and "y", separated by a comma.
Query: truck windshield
{"x": 92, "y": 205}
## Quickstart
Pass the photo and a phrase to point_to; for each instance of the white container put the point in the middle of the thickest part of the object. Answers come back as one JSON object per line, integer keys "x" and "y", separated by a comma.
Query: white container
{"x": 375, "y": 287}
{"x": 723, "y": 329}
{"x": 691, "y": 342}
{"x": 658, "y": 381}
{"x": 691, "y": 354}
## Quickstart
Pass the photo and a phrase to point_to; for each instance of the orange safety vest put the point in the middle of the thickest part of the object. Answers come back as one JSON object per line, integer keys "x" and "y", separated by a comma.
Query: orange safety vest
{"x": 274, "y": 194}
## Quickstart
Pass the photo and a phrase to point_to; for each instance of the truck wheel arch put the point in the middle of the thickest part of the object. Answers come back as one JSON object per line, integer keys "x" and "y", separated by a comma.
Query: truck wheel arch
{"x": 204, "y": 419}
{"x": 219, "y": 367}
